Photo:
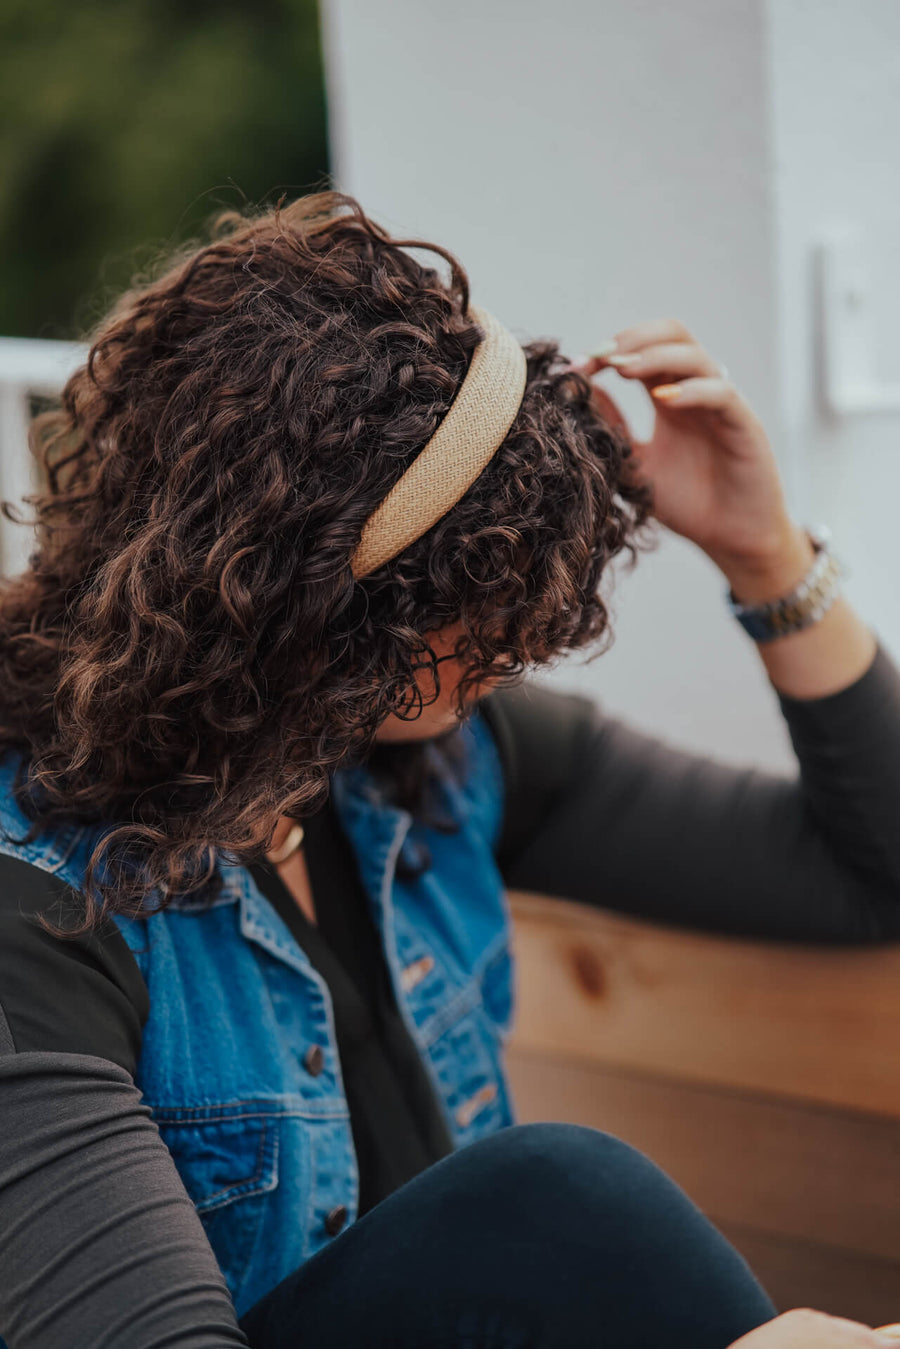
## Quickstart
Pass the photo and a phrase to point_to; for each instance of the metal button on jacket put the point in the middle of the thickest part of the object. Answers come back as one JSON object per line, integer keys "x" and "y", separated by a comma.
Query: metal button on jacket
{"x": 314, "y": 1060}
{"x": 335, "y": 1220}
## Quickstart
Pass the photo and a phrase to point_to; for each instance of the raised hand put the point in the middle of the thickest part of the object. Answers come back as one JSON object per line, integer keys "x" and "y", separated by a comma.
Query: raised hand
{"x": 709, "y": 463}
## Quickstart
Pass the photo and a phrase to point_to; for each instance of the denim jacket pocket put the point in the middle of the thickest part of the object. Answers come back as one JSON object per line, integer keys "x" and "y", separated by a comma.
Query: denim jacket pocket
{"x": 227, "y": 1157}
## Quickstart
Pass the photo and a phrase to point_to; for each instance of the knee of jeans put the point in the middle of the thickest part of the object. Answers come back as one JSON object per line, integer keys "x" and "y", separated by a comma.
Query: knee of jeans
{"x": 554, "y": 1159}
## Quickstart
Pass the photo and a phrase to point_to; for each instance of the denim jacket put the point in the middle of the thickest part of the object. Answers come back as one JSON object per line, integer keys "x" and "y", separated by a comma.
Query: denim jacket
{"x": 258, "y": 1129}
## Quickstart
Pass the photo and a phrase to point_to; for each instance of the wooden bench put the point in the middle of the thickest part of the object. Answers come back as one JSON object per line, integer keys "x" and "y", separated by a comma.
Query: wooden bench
{"x": 763, "y": 1077}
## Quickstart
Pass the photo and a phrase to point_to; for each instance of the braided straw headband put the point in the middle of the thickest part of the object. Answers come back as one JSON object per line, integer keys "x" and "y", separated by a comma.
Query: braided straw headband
{"x": 467, "y": 439}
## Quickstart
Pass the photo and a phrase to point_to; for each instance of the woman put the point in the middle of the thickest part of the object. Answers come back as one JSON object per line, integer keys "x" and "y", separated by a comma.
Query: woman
{"x": 307, "y": 524}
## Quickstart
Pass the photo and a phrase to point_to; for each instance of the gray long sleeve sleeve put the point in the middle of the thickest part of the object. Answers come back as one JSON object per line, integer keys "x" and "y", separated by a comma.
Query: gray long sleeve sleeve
{"x": 599, "y": 812}
{"x": 84, "y": 1176}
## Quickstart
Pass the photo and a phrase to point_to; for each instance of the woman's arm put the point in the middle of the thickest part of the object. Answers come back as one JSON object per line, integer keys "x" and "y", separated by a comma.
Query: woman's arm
{"x": 601, "y": 813}
{"x": 99, "y": 1240}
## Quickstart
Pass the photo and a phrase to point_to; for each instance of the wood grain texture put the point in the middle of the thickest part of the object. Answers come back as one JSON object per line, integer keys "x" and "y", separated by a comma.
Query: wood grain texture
{"x": 819, "y": 1024}
{"x": 798, "y": 1274}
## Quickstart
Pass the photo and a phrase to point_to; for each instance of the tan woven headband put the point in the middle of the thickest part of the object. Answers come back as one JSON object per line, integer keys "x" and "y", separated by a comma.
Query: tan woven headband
{"x": 467, "y": 439}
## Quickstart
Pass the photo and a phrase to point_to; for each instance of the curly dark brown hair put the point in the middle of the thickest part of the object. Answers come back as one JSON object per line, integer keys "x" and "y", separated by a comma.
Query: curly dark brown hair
{"x": 188, "y": 655}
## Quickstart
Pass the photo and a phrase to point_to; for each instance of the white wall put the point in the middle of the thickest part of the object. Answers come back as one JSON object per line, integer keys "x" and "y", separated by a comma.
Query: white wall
{"x": 835, "y": 92}
{"x": 593, "y": 165}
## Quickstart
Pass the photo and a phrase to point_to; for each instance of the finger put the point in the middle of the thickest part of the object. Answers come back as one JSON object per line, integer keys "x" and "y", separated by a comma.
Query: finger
{"x": 646, "y": 334}
{"x": 588, "y": 365}
{"x": 664, "y": 360}
{"x": 701, "y": 392}
{"x": 650, "y": 331}
{"x": 634, "y": 338}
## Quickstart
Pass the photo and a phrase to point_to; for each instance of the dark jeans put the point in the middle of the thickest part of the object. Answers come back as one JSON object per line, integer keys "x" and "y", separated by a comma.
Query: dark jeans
{"x": 541, "y": 1235}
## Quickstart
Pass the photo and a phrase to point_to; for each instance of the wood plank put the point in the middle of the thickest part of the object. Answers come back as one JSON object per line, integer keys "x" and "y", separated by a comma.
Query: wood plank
{"x": 788, "y": 1170}
{"x": 815, "y": 1023}
{"x": 797, "y": 1274}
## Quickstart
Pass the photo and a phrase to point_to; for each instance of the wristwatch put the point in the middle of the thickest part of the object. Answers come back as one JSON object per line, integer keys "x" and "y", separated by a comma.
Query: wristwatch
{"x": 807, "y": 602}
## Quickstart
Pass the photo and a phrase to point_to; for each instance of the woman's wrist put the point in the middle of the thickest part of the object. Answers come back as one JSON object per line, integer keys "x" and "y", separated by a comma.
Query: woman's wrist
{"x": 821, "y": 658}
{"x": 771, "y": 572}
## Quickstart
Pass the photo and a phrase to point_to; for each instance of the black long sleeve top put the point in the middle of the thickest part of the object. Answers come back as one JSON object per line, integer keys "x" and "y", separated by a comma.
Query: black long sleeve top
{"x": 594, "y": 811}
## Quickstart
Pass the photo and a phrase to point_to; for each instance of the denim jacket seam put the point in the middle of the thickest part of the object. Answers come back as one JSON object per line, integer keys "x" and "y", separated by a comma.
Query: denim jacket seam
{"x": 467, "y": 1000}
{"x": 313, "y": 1144}
{"x": 191, "y": 1116}
{"x": 238, "y": 1189}
{"x": 497, "y": 947}
{"x": 44, "y": 858}
{"x": 77, "y": 835}
{"x": 257, "y": 1238}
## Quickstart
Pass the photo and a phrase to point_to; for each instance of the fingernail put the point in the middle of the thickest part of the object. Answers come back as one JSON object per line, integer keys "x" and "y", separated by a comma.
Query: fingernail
{"x": 668, "y": 391}
{"x": 631, "y": 359}
{"x": 605, "y": 347}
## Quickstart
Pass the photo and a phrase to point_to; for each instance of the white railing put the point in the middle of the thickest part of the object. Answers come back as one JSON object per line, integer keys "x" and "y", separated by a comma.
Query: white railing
{"x": 27, "y": 366}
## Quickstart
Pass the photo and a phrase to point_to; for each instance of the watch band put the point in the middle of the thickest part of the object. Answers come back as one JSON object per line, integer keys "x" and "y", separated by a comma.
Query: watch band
{"x": 809, "y": 601}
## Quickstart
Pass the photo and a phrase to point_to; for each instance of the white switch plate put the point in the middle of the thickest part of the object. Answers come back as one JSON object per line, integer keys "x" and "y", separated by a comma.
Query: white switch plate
{"x": 859, "y": 279}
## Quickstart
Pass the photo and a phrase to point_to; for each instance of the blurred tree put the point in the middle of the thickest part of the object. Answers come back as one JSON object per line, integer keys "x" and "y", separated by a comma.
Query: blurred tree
{"x": 125, "y": 124}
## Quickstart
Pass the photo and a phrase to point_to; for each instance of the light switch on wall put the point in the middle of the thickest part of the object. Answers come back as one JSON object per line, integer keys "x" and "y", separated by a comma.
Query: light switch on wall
{"x": 858, "y": 298}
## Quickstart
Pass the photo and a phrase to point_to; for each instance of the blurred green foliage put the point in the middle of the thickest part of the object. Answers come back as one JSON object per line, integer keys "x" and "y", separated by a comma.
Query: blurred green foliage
{"x": 125, "y": 124}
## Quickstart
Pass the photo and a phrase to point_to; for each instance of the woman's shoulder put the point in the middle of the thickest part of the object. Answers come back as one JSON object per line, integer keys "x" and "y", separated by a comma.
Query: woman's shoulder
{"x": 539, "y": 731}
{"x": 82, "y": 995}
{"x": 540, "y": 736}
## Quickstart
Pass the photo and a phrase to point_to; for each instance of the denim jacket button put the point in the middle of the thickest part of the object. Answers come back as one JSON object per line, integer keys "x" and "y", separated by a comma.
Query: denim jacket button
{"x": 335, "y": 1220}
{"x": 314, "y": 1060}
